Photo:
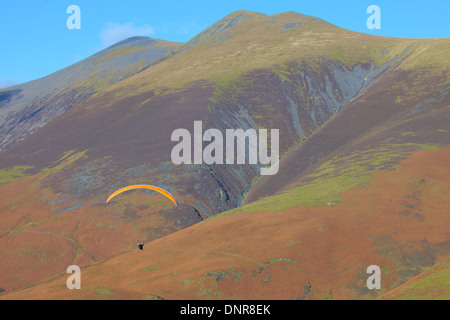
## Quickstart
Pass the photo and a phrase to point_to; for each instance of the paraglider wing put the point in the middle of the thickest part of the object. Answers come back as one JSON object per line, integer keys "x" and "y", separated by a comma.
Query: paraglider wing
{"x": 143, "y": 186}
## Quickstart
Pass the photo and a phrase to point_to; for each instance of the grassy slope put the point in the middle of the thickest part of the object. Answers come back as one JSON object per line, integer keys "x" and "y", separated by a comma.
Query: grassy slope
{"x": 262, "y": 42}
{"x": 222, "y": 64}
{"x": 300, "y": 252}
{"x": 331, "y": 178}
{"x": 432, "y": 284}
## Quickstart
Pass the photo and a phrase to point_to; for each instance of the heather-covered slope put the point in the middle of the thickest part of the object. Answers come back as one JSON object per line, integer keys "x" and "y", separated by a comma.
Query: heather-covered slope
{"x": 347, "y": 105}
{"x": 300, "y": 252}
{"x": 27, "y": 107}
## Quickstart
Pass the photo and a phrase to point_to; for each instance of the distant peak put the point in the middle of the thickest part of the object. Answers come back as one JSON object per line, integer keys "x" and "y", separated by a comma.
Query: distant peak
{"x": 221, "y": 28}
{"x": 245, "y": 12}
{"x": 137, "y": 41}
{"x": 295, "y": 15}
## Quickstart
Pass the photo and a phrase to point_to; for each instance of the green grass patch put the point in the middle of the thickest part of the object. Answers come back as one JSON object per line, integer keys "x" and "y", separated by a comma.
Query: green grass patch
{"x": 433, "y": 286}
{"x": 279, "y": 259}
{"x": 14, "y": 173}
{"x": 67, "y": 160}
{"x": 150, "y": 268}
{"x": 104, "y": 291}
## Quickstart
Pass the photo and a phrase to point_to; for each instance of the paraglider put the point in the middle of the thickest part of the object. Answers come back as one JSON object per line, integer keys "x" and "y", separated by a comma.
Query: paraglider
{"x": 143, "y": 186}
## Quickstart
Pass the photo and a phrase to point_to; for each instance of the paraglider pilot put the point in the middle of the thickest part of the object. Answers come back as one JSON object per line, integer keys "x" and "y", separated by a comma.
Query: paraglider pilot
{"x": 140, "y": 245}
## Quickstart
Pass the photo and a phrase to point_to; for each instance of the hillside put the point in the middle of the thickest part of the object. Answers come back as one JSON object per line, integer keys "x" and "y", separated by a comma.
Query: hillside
{"x": 432, "y": 284}
{"x": 27, "y": 107}
{"x": 363, "y": 141}
{"x": 300, "y": 252}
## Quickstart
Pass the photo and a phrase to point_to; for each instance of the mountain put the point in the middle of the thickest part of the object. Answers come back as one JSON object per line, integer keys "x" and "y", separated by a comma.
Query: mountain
{"x": 27, "y": 107}
{"x": 362, "y": 177}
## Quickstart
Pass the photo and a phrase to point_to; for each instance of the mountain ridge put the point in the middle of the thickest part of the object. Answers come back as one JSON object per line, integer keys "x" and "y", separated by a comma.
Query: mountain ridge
{"x": 32, "y": 100}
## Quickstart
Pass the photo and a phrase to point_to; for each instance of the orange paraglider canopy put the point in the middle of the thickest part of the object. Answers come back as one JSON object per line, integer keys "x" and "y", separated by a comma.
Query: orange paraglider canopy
{"x": 144, "y": 186}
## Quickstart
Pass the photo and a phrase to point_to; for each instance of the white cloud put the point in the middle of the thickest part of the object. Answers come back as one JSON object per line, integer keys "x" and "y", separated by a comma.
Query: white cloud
{"x": 115, "y": 32}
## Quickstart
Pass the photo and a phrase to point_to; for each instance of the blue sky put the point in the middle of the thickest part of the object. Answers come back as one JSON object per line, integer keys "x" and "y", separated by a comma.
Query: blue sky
{"x": 35, "y": 40}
